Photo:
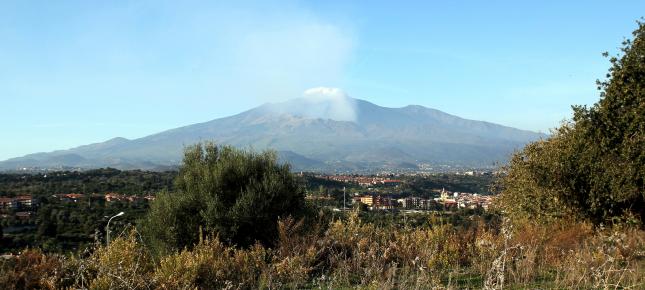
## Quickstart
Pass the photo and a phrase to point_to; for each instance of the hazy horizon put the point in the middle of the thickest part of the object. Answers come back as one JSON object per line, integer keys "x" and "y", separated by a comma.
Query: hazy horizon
{"x": 81, "y": 72}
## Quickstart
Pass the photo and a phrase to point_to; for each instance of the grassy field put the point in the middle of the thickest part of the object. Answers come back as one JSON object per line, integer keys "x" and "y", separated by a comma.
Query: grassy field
{"x": 348, "y": 253}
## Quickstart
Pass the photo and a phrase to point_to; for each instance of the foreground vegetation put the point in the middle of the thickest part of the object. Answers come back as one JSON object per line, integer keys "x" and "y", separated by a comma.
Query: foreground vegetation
{"x": 350, "y": 253}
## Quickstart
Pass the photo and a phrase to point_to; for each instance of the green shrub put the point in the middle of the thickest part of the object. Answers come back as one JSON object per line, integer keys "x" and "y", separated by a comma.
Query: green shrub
{"x": 234, "y": 194}
{"x": 592, "y": 168}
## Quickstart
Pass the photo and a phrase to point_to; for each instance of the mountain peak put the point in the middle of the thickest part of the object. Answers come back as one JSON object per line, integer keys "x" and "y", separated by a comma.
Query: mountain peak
{"x": 325, "y": 94}
{"x": 415, "y": 107}
{"x": 319, "y": 103}
{"x": 117, "y": 140}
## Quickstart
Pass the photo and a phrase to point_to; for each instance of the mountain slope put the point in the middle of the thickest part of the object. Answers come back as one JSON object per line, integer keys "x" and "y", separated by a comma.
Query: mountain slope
{"x": 319, "y": 132}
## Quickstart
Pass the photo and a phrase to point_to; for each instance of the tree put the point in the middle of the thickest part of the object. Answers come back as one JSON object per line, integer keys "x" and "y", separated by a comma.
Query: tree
{"x": 592, "y": 167}
{"x": 235, "y": 194}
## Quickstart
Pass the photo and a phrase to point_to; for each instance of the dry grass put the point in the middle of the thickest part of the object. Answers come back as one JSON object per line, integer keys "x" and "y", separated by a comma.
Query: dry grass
{"x": 352, "y": 254}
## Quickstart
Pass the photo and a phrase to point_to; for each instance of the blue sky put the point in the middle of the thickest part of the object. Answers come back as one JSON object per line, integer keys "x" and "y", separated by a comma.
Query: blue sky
{"x": 78, "y": 72}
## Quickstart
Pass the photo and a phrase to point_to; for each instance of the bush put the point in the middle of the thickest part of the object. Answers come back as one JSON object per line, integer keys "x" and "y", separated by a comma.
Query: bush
{"x": 592, "y": 168}
{"x": 212, "y": 265}
{"x": 124, "y": 264}
{"x": 222, "y": 191}
{"x": 30, "y": 270}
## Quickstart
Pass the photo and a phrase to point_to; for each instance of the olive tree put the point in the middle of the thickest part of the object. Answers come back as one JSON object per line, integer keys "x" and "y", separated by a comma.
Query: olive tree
{"x": 593, "y": 167}
{"x": 235, "y": 194}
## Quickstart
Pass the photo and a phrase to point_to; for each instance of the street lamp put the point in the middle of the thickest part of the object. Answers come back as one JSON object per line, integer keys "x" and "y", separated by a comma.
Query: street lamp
{"x": 344, "y": 202}
{"x": 107, "y": 227}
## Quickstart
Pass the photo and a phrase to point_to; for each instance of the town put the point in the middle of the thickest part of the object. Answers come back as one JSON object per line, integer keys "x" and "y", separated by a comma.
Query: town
{"x": 385, "y": 193}
{"x": 446, "y": 201}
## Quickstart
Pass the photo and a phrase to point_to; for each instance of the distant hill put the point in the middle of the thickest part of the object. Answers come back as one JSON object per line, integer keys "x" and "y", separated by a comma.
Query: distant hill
{"x": 324, "y": 130}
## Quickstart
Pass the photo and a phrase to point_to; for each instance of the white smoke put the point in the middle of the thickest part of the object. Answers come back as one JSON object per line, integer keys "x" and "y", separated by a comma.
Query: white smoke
{"x": 319, "y": 103}
{"x": 329, "y": 103}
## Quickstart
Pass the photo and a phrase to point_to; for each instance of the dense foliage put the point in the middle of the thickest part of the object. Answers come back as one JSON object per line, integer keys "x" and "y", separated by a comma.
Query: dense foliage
{"x": 91, "y": 181}
{"x": 593, "y": 167}
{"x": 235, "y": 194}
{"x": 62, "y": 226}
